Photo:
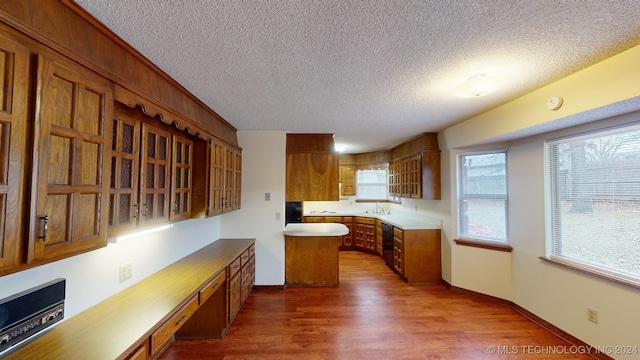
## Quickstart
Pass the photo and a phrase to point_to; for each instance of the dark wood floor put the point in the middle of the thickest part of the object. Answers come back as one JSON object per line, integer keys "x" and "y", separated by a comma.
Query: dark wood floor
{"x": 373, "y": 315}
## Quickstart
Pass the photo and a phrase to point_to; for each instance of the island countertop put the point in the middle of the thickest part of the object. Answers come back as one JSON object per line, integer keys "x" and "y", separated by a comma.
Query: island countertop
{"x": 315, "y": 229}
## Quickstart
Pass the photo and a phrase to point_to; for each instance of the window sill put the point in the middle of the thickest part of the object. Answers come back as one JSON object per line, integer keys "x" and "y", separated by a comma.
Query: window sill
{"x": 601, "y": 273}
{"x": 484, "y": 245}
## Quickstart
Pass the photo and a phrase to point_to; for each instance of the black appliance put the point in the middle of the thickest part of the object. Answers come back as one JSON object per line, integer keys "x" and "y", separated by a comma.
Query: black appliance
{"x": 387, "y": 244}
{"x": 26, "y": 313}
{"x": 293, "y": 212}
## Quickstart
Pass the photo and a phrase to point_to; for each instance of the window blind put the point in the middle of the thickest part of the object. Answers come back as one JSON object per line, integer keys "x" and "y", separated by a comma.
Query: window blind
{"x": 482, "y": 196}
{"x": 595, "y": 199}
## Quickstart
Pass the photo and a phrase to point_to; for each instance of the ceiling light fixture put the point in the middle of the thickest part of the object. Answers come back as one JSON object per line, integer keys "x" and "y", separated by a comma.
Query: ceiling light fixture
{"x": 476, "y": 86}
{"x": 339, "y": 148}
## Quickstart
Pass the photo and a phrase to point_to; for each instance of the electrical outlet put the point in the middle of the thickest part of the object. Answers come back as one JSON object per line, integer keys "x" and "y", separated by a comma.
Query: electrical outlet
{"x": 277, "y": 215}
{"x": 592, "y": 315}
{"x": 125, "y": 271}
{"x": 267, "y": 196}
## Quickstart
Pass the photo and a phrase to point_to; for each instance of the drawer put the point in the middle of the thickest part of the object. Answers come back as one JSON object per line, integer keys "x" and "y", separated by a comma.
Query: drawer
{"x": 252, "y": 251}
{"x": 212, "y": 287}
{"x": 161, "y": 336}
{"x": 234, "y": 267}
{"x": 333, "y": 219}
{"x": 347, "y": 220}
{"x": 399, "y": 233}
{"x": 364, "y": 220}
{"x": 313, "y": 219}
{"x": 244, "y": 258}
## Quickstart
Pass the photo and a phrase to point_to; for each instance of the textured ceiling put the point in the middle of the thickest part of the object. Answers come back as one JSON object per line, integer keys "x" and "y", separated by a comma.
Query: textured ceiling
{"x": 374, "y": 73}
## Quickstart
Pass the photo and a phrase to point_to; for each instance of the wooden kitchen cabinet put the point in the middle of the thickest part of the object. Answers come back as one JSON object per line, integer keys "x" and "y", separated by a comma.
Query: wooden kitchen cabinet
{"x": 344, "y": 241}
{"x": 364, "y": 233}
{"x": 153, "y": 171}
{"x": 225, "y": 178}
{"x": 311, "y": 168}
{"x": 182, "y": 170}
{"x": 72, "y": 153}
{"x": 414, "y": 171}
{"x": 14, "y": 86}
{"x": 347, "y": 180}
{"x": 416, "y": 255}
{"x": 379, "y": 237}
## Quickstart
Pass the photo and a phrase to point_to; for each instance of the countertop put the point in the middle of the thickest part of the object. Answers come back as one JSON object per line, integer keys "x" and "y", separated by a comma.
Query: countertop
{"x": 399, "y": 220}
{"x": 315, "y": 229}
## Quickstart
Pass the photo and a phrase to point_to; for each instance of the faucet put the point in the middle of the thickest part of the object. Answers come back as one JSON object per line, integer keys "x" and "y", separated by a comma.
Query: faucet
{"x": 379, "y": 209}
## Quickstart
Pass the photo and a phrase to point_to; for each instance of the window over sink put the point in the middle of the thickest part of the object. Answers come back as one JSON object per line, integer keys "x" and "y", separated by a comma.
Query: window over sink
{"x": 372, "y": 184}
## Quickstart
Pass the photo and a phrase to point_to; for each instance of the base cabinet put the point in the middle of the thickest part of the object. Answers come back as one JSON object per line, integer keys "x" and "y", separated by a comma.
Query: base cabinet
{"x": 365, "y": 234}
{"x": 416, "y": 255}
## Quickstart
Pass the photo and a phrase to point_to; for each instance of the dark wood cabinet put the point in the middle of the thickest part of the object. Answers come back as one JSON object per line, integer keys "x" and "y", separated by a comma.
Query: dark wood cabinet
{"x": 417, "y": 255}
{"x": 414, "y": 171}
{"x": 14, "y": 86}
{"x": 72, "y": 153}
{"x": 152, "y": 172}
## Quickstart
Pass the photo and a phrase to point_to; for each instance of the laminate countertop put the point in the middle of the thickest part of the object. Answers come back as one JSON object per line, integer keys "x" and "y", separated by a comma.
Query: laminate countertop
{"x": 315, "y": 229}
{"x": 399, "y": 220}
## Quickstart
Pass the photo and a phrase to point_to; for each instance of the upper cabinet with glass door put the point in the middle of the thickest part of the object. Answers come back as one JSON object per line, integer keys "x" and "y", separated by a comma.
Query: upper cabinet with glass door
{"x": 152, "y": 172}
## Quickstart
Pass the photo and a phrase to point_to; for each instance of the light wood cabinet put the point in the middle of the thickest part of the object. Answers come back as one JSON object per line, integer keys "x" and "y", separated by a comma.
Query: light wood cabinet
{"x": 14, "y": 68}
{"x": 155, "y": 183}
{"x": 364, "y": 234}
{"x": 243, "y": 276}
{"x": 182, "y": 170}
{"x": 163, "y": 334}
{"x": 225, "y": 178}
{"x": 72, "y": 153}
{"x": 347, "y": 180}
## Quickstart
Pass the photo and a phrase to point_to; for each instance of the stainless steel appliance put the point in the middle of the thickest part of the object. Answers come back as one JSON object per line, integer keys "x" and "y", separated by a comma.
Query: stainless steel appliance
{"x": 387, "y": 244}
{"x": 26, "y": 313}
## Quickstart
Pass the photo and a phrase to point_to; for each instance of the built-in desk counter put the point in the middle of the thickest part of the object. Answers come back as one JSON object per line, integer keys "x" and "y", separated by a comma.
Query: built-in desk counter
{"x": 311, "y": 253}
{"x": 136, "y": 322}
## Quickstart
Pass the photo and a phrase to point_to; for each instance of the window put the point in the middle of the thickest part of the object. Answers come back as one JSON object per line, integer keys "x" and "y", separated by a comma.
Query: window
{"x": 482, "y": 196}
{"x": 371, "y": 184}
{"x": 594, "y": 199}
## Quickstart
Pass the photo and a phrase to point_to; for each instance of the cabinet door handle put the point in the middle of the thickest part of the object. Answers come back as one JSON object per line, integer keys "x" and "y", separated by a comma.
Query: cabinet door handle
{"x": 136, "y": 211}
{"x": 181, "y": 320}
{"x": 45, "y": 227}
{"x": 146, "y": 210}
{"x": 175, "y": 206}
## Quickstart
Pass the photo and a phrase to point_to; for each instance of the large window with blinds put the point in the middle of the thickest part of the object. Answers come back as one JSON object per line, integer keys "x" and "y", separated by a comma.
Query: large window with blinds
{"x": 482, "y": 196}
{"x": 594, "y": 200}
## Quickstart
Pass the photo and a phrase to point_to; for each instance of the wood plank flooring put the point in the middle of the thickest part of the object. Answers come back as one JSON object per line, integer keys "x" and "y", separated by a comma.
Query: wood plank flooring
{"x": 372, "y": 314}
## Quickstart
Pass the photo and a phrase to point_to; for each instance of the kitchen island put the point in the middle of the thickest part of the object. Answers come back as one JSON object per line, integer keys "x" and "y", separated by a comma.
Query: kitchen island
{"x": 311, "y": 253}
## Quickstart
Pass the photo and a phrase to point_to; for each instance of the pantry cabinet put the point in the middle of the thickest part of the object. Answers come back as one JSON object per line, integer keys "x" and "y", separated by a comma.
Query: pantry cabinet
{"x": 72, "y": 153}
{"x": 14, "y": 68}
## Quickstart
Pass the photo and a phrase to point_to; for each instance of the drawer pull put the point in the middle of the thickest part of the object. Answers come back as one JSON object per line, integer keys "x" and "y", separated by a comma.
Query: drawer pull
{"x": 181, "y": 320}
{"x": 215, "y": 286}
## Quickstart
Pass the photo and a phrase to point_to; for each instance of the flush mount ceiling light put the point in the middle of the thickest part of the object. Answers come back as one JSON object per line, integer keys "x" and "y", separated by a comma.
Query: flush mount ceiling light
{"x": 476, "y": 86}
{"x": 339, "y": 148}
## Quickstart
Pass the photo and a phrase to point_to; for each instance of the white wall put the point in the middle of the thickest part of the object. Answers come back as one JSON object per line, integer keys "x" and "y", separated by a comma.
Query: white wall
{"x": 263, "y": 171}
{"x": 92, "y": 277}
{"x": 557, "y": 294}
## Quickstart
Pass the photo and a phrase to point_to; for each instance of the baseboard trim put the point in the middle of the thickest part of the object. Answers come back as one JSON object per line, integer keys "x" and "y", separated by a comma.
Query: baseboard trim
{"x": 267, "y": 287}
{"x": 529, "y": 315}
